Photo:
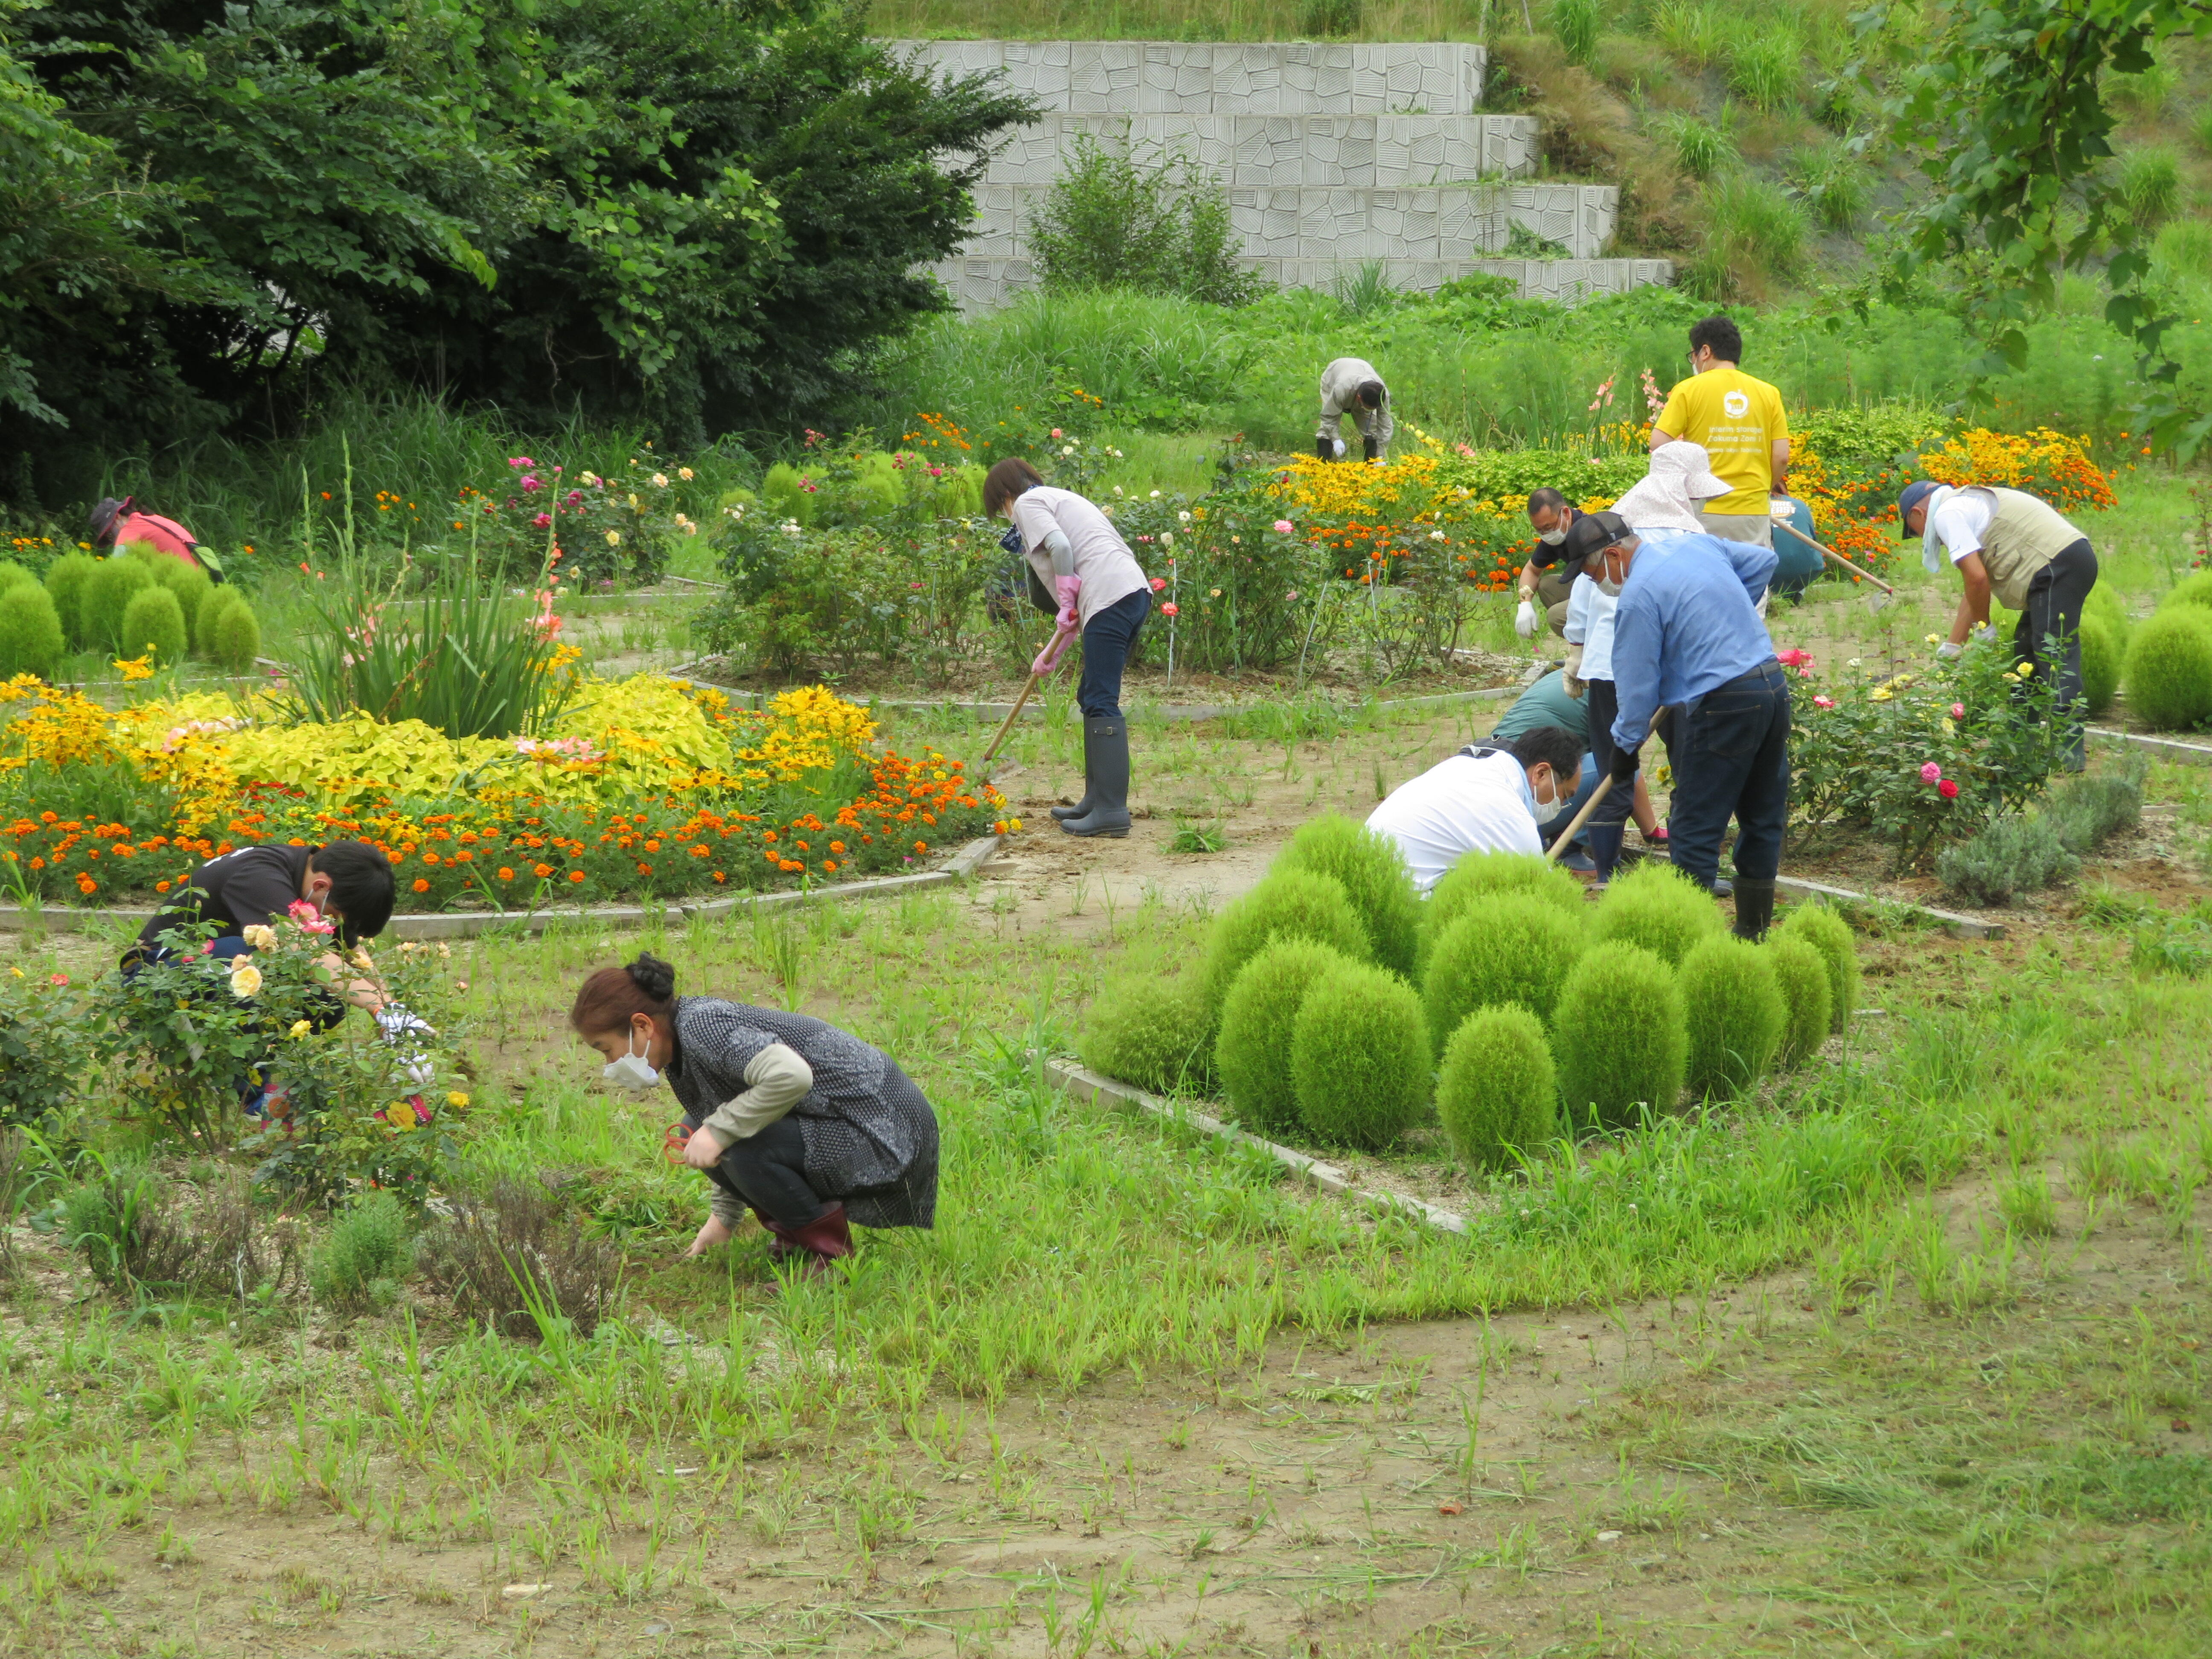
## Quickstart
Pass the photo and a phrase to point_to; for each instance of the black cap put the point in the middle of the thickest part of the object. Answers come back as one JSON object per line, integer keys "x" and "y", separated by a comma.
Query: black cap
{"x": 1591, "y": 533}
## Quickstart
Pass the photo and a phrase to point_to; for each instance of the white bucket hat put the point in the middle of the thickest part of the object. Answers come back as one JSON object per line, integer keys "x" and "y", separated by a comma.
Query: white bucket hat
{"x": 1667, "y": 497}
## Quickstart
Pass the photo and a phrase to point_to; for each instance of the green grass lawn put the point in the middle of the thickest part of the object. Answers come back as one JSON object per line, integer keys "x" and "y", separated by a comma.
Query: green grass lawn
{"x": 1911, "y": 1344}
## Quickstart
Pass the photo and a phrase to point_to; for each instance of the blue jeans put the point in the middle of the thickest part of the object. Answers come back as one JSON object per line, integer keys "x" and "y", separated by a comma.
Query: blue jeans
{"x": 1731, "y": 758}
{"x": 1108, "y": 640}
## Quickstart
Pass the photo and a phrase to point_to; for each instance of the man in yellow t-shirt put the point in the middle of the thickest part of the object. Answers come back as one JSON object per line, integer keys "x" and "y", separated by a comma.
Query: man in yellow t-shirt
{"x": 1740, "y": 422}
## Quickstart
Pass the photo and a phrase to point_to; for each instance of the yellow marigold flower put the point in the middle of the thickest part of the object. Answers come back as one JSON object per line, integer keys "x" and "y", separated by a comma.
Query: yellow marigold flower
{"x": 301, "y": 1028}
{"x": 456, "y": 1099}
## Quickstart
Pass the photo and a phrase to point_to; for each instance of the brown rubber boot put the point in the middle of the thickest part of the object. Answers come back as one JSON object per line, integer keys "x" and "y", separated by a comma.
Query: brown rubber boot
{"x": 825, "y": 1239}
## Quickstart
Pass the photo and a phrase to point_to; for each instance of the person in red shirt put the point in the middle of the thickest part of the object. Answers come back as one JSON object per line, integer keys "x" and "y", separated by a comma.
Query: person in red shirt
{"x": 119, "y": 524}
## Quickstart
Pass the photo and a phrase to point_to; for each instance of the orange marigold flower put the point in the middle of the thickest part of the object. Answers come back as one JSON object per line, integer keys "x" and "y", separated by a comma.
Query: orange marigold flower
{"x": 643, "y": 868}
{"x": 542, "y": 870}
{"x": 828, "y": 864}
{"x": 421, "y": 885}
{"x": 430, "y": 858}
{"x": 506, "y": 874}
{"x": 395, "y": 857}
{"x": 838, "y": 848}
{"x": 575, "y": 875}
{"x": 921, "y": 846}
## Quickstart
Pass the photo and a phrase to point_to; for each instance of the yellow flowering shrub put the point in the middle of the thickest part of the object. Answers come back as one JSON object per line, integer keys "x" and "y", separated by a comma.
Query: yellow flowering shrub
{"x": 807, "y": 728}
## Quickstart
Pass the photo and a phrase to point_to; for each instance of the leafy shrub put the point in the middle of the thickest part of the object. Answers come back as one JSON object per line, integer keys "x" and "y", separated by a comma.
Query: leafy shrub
{"x": 1252, "y": 1055}
{"x": 1373, "y": 874}
{"x": 2019, "y": 852}
{"x": 1360, "y": 1057}
{"x": 1625, "y": 1048}
{"x": 1151, "y": 1032}
{"x": 44, "y": 1034}
{"x": 2101, "y": 653}
{"x": 2089, "y": 807}
{"x": 1497, "y": 1093}
{"x": 1833, "y": 184}
{"x": 1509, "y": 948}
{"x": 1482, "y": 875}
{"x": 153, "y": 627}
{"x": 31, "y": 638}
{"x": 509, "y": 1257}
{"x": 1701, "y": 149}
{"x": 1657, "y": 907}
{"x": 1286, "y": 904}
{"x": 107, "y": 591}
{"x": 230, "y": 633}
{"x": 854, "y": 483}
{"x": 2169, "y": 673}
{"x": 1819, "y": 926}
{"x": 1575, "y": 26}
{"x": 360, "y": 1265}
{"x": 13, "y": 575}
{"x": 2194, "y": 589}
{"x": 67, "y": 577}
{"x": 1733, "y": 1016}
{"x": 1801, "y": 975}
{"x": 1159, "y": 224}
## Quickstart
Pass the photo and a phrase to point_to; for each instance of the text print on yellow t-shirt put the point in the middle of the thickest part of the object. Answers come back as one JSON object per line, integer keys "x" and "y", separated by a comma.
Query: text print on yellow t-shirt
{"x": 1737, "y": 419}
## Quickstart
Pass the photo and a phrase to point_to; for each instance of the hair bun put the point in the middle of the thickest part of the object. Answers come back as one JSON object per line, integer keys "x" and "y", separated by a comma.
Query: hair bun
{"x": 652, "y": 976}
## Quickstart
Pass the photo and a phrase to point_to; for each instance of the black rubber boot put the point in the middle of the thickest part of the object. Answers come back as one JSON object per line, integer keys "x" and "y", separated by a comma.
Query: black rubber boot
{"x": 1082, "y": 808}
{"x": 1605, "y": 849}
{"x": 1106, "y": 746}
{"x": 1754, "y": 908}
{"x": 1372, "y": 448}
{"x": 1323, "y": 450}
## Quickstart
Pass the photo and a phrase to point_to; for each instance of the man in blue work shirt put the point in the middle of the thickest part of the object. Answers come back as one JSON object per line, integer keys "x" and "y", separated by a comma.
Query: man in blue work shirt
{"x": 1685, "y": 637}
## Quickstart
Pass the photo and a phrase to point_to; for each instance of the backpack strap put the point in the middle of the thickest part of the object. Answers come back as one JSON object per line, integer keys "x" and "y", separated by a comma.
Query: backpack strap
{"x": 1481, "y": 751}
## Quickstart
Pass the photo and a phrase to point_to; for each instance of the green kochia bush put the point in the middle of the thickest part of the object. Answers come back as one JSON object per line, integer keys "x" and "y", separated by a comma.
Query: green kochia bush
{"x": 188, "y": 582}
{"x": 1624, "y": 1047}
{"x": 1497, "y": 1093}
{"x": 1375, "y": 878}
{"x": 1800, "y": 973}
{"x": 1152, "y": 1032}
{"x": 1831, "y": 935}
{"x": 1477, "y": 874}
{"x": 154, "y": 626}
{"x": 1252, "y": 1055}
{"x": 107, "y": 591}
{"x": 1657, "y": 907}
{"x": 67, "y": 577}
{"x": 31, "y": 638}
{"x": 230, "y": 635}
{"x": 13, "y": 575}
{"x": 1506, "y": 948}
{"x": 2169, "y": 668}
{"x": 1733, "y": 1016}
{"x": 1360, "y": 1057}
{"x": 2101, "y": 655}
{"x": 361, "y": 1265}
{"x": 1289, "y": 903}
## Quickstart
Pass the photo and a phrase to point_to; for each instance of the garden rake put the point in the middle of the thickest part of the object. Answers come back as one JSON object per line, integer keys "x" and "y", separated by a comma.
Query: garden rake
{"x": 1875, "y": 602}
{"x": 982, "y": 770}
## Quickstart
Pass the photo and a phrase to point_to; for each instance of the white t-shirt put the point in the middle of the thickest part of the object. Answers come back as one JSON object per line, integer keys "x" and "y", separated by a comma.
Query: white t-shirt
{"x": 1961, "y": 521}
{"x": 1590, "y": 624}
{"x": 1460, "y": 805}
{"x": 1110, "y": 572}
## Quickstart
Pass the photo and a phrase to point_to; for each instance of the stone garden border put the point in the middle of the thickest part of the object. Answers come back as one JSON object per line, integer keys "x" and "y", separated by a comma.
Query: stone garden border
{"x": 2172, "y": 748}
{"x": 1085, "y": 1084}
{"x": 960, "y": 867}
{"x": 1957, "y": 926}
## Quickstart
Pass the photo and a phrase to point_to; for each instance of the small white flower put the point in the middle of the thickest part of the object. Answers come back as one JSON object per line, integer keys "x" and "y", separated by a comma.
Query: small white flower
{"x": 1183, "y": 518}
{"x": 1156, "y": 495}
{"x": 660, "y": 482}
{"x": 1067, "y": 449}
{"x": 1436, "y": 535}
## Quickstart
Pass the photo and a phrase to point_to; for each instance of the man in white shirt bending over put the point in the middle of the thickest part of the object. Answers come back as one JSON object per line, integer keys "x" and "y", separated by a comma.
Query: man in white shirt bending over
{"x": 1483, "y": 799}
{"x": 1350, "y": 386}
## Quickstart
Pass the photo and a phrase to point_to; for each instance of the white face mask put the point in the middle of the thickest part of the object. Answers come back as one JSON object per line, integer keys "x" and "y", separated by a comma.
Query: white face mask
{"x": 1548, "y": 809}
{"x": 632, "y": 1071}
{"x": 1552, "y": 537}
{"x": 1608, "y": 585}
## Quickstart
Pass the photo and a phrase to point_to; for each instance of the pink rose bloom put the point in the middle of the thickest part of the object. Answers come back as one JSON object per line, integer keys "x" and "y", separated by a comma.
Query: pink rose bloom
{"x": 1824, "y": 703}
{"x": 576, "y": 497}
{"x": 1168, "y": 609}
{"x": 1794, "y": 657}
{"x": 1931, "y": 772}
{"x": 531, "y": 482}
{"x": 1158, "y": 582}
{"x": 1947, "y": 789}
{"x": 1958, "y": 711}
{"x": 520, "y": 461}
{"x": 1282, "y": 526}
{"x": 1055, "y": 432}
{"x": 542, "y": 520}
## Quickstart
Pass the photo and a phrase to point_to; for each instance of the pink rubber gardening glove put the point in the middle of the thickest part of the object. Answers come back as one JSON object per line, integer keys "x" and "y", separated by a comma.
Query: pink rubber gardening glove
{"x": 1067, "y": 587}
{"x": 1048, "y": 659}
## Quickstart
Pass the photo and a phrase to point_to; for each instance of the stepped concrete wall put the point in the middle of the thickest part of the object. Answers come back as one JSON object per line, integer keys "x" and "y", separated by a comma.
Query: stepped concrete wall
{"x": 1184, "y": 78}
{"x": 1389, "y": 152}
{"x": 1331, "y": 156}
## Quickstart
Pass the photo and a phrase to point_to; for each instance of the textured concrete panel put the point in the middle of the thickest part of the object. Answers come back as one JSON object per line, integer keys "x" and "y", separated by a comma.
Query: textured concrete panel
{"x": 986, "y": 284}
{"x": 1386, "y": 151}
{"x": 1177, "y": 77}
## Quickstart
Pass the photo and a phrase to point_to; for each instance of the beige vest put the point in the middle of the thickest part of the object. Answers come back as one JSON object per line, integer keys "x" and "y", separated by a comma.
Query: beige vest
{"x": 2025, "y": 534}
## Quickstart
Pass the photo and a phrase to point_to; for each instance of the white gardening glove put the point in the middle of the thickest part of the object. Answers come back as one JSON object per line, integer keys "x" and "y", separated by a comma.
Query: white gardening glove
{"x": 1524, "y": 621}
{"x": 405, "y": 1032}
{"x": 1339, "y": 443}
{"x": 1986, "y": 633}
{"x": 1949, "y": 649}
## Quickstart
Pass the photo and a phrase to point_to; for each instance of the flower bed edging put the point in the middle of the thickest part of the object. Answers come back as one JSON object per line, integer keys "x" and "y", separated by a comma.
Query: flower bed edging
{"x": 63, "y": 919}
{"x": 1957, "y": 926}
{"x": 2172, "y": 748}
{"x": 1086, "y": 1084}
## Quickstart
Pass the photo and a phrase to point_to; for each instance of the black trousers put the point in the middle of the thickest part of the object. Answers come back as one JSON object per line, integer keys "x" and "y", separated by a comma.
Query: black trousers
{"x": 2054, "y": 598}
{"x": 1731, "y": 758}
{"x": 1108, "y": 643}
{"x": 1604, "y": 699}
{"x": 769, "y": 1171}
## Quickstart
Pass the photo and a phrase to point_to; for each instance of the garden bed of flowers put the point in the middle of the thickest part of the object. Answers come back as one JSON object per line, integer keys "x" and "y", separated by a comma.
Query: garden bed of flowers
{"x": 645, "y": 789}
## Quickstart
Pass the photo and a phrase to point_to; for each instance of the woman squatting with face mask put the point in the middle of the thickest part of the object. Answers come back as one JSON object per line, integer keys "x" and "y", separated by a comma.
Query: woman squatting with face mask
{"x": 804, "y": 1125}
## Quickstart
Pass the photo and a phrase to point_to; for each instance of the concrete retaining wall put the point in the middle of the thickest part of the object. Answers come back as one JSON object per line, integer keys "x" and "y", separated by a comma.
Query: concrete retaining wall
{"x": 1181, "y": 77}
{"x": 982, "y": 284}
{"x": 1389, "y": 152}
